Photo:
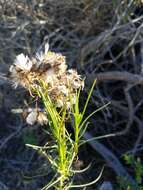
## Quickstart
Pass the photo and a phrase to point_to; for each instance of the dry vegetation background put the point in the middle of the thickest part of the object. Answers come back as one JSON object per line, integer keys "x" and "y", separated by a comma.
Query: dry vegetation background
{"x": 102, "y": 39}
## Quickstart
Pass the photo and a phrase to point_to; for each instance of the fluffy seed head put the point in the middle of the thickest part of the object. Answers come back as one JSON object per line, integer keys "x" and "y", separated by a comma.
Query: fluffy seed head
{"x": 49, "y": 67}
{"x": 23, "y": 63}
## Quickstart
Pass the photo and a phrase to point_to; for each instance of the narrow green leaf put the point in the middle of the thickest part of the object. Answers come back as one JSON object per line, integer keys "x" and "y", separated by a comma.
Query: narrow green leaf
{"x": 89, "y": 95}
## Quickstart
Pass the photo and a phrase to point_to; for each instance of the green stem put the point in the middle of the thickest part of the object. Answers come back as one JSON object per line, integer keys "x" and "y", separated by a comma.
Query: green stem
{"x": 62, "y": 140}
{"x": 76, "y": 139}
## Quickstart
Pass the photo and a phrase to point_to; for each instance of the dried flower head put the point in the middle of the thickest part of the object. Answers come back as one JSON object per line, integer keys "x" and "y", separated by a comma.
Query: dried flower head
{"x": 32, "y": 117}
{"x": 36, "y": 116}
{"x": 75, "y": 80}
{"x": 23, "y": 63}
{"x": 49, "y": 67}
{"x": 42, "y": 118}
{"x": 21, "y": 71}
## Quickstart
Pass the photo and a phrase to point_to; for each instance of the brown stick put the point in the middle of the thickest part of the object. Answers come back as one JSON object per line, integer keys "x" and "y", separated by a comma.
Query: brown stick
{"x": 117, "y": 76}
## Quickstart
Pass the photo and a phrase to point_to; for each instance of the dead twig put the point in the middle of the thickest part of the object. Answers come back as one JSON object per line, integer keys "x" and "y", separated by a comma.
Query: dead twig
{"x": 7, "y": 139}
{"x": 111, "y": 160}
{"x": 117, "y": 76}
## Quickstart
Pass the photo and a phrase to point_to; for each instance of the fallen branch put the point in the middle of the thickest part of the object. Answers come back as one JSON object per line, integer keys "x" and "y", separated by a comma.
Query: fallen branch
{"x": 111, "y": 160}
{"x": 117, "y": 76}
